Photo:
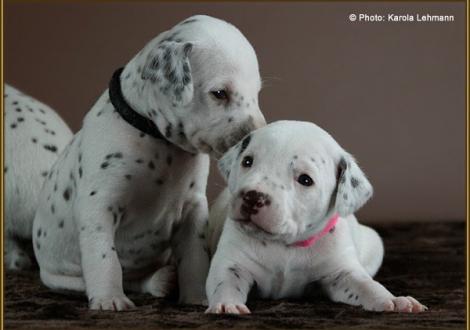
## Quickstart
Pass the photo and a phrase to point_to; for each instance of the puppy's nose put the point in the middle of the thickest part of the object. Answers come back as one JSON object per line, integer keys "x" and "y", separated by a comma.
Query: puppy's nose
{"x": 255, "y": 198}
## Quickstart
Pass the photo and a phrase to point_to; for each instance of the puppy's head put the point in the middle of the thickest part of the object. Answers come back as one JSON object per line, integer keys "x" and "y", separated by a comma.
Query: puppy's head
{"x": 288, "y": 178}
{"x": 201, "y": 80}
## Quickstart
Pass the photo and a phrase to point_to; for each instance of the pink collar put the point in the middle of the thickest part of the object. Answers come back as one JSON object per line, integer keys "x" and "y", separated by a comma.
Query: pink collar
{"x": 313, "y": 239}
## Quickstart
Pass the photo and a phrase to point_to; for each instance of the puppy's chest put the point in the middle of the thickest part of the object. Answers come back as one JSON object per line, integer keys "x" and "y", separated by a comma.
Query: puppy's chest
{"x": 286, "y": 275}
{"x": 289, "y": 271}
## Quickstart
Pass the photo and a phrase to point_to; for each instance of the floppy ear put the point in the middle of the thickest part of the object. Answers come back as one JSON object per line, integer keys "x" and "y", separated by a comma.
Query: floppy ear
{"x": 225, "y": 163}
{"x": 353, "y": 189}
{"x": 167, "y": 67}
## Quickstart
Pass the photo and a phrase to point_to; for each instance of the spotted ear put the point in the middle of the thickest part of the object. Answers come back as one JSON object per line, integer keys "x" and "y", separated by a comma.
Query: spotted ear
{"x": 353, "y": 188}
{"x": 232, "y": 155}
{"x": 225, "y": 163}
{"x": 167, "y": 67}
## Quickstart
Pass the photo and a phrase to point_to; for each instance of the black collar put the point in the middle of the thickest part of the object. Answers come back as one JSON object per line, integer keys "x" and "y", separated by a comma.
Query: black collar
{"x": 127, "y": 113}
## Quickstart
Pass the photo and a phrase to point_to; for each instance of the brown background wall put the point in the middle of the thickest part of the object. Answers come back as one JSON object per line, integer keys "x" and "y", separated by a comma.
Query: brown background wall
{"x": 393, "y": 94}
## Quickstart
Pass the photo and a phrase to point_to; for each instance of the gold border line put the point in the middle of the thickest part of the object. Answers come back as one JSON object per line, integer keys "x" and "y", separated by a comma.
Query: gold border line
{"x": 1, "y": 175}
{"x": 467, "y": 169}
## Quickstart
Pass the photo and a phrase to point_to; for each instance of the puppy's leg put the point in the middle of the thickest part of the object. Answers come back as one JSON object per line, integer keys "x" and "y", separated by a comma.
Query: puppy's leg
{"x": 16, "y": 258}
{"x": 369, "y": 246}
{"x": 354, "y": 286}
{"x": 159, "y": 284}
{"x": 100, "y": 264}
{"x": 227, "y": 287}
{"x": 190, "y": 250}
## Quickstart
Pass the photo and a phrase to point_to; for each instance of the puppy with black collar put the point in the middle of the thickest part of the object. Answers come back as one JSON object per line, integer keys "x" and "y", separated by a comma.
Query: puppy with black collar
{"x": 287, "y": 220}
{"x": 125, "y": 202}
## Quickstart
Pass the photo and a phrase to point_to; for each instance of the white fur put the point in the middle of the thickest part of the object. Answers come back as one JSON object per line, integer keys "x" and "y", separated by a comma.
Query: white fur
{"x": 257, "y": 247}
{"x": 29, "y": 126}
{"x": 131, "y": 204}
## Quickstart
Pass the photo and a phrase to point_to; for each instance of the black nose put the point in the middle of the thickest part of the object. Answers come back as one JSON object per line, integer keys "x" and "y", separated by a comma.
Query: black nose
{"x": 255, "y": 198}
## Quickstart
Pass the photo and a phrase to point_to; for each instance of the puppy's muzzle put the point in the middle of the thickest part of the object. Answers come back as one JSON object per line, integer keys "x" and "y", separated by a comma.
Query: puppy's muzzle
{"x": 253, "y": 201}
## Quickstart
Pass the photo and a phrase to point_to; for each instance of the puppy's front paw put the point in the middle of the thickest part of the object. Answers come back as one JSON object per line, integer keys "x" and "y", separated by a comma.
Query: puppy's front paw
{"x": 115, "y": 303}
{"x": 17, "y": 260}
{"x": 401, "y": 305}
{"x": 222, "y": 308}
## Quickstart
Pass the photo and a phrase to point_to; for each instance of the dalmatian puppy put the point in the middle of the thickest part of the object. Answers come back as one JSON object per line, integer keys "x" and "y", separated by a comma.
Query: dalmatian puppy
{"x": 286, "y": 221}
{"x": 34, "y": 137}
{"x": 126, "y": 200}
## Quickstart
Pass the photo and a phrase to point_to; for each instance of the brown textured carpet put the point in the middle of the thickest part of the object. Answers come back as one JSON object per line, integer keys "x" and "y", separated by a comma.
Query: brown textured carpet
{"x": 426, "y": 261}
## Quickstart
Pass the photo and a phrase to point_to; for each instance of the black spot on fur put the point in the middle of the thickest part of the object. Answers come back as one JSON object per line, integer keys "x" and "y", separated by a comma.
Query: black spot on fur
{"x": 80, "y": 172}
{"x": 52, "y": 208}
{"x": 168, "y": 130}
{"x": 20, "y": 119}
{"x": 13, "y": 126}
{"x": 61, "y": 224}
{"x": 50, "y": 147}
{"x": 44, "y": 173}
{"x": 354, "y": 182}
{"x": 217, "y": 287}
{"x": 128, "y": 176}
{"x": 93, "y": 193}
{"x": 67, "y": 193}
{"x": 39, "y": 232}
{"x": 42, "y": 122}
{"x": 244, "y": 145}
{"x": 34, "y": 140}
{"x": 191, "y": 185}
{"x": 159, "y": 182}
{"x": 104, "y": 165}
{"x": 139, "y": 161}
{"x": 151, "y": 165}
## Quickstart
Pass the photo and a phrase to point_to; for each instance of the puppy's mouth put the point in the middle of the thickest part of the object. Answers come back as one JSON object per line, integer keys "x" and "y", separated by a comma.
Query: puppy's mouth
{"x": 249, "y": 223}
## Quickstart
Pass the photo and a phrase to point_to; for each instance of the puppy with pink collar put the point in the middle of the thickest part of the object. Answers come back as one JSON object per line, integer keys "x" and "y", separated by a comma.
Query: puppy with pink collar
{"x": 287, "y": 220}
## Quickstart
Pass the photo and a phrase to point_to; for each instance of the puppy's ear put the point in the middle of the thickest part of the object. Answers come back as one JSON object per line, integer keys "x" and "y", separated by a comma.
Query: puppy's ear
{"x": 225, "y": 163}
{"x": 232, "y": 155}
{"x": 167, "y": 67}
{"x": 353, "y": 189}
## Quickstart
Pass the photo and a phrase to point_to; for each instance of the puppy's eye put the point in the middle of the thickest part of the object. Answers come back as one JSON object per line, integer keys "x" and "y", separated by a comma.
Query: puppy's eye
{"x": 220, "y": 94}
{"x": 305, "y": 180}
{"x": 247, "y": 161}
